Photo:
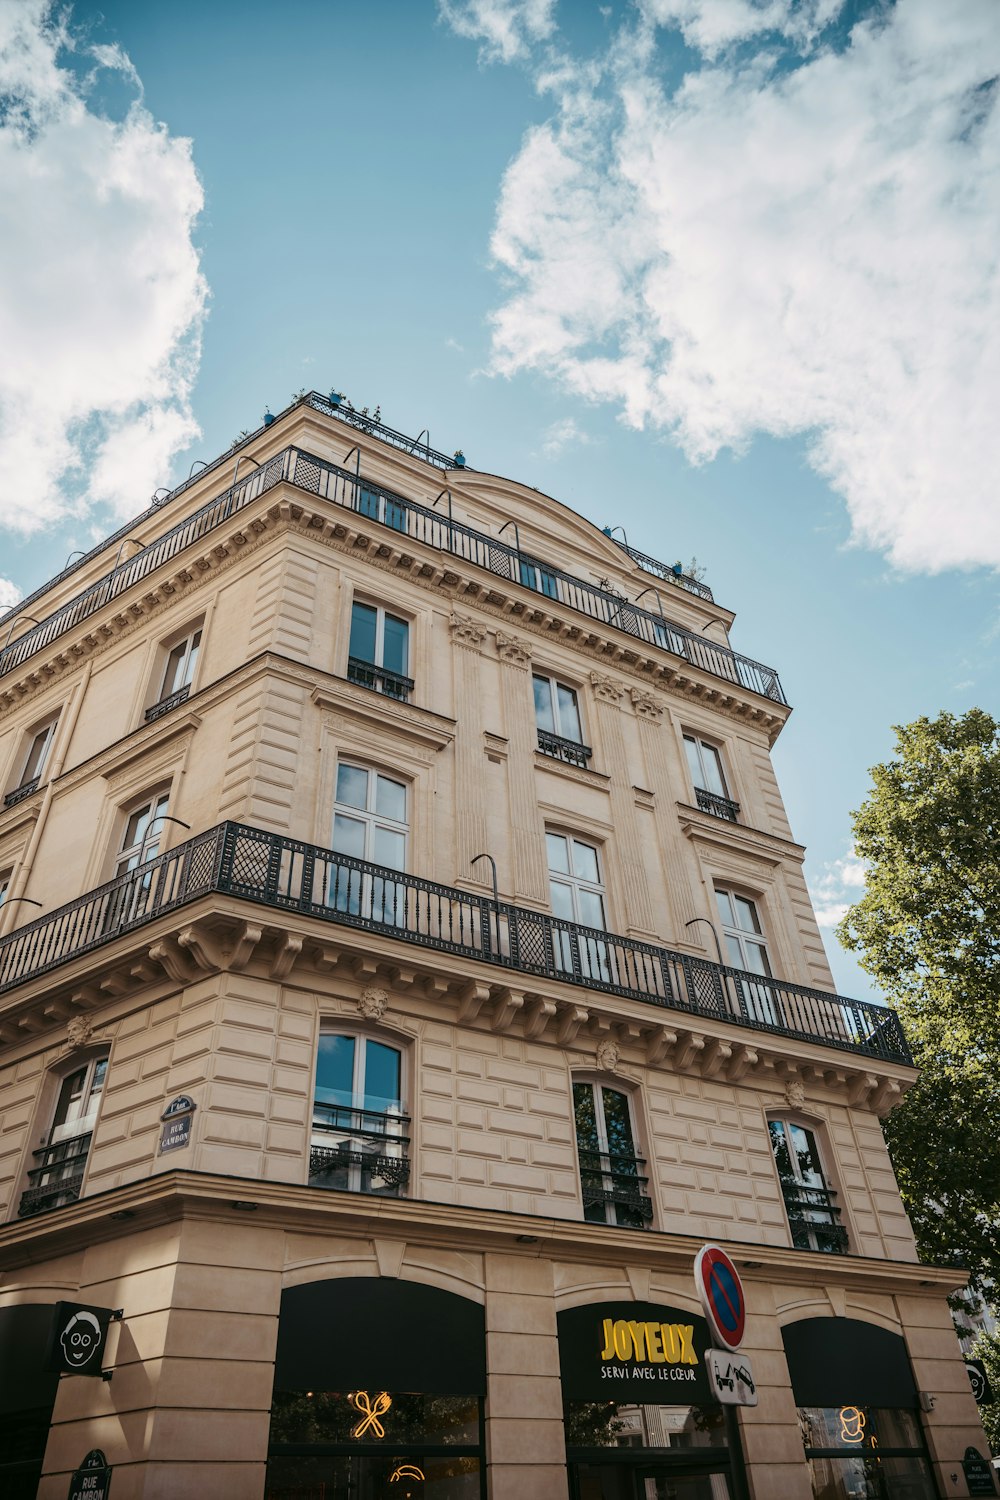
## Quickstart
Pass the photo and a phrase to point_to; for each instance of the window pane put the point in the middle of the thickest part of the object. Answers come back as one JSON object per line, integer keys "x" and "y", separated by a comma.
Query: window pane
{"x": 746, "y": 914}
{"x": 725, "y": 910}
{"x": 807, "y": 1157}
{"x": 558, "y": 853}
{"x": 335, "y": 1070}
{"x": 352, "y": 786}
{"x": 363, "y": 620}
{"x": 173, "y": 677}
{"x": 713, "y": 770}
{"x": 618, "y": 1123}
{"x": 382, "y": 1066}
{"x": 548, "y": 584}
{"x": 586, "y": 1117}
{"x": 526, "y": 573}
{"x": 70, "y": 1095}
{"x": 694, "y": 764}
{"x": 782, "y": 1155}
{"x": 368, "y": 503}
{"x": 561, "y": 896}
{"x": 543, "y": 704}
{"x": 390, "y": 799}
{"x": 569, "y": 714}
{"x": 733, "y": 950}
{"x": 389, "y": 848}
{"x": 394, "y": 649}
{"x": 757, "y": 958}
{"x": 591, "y": 909}
{"x": 349, "y": 836}
{"x": 585, "y": 861}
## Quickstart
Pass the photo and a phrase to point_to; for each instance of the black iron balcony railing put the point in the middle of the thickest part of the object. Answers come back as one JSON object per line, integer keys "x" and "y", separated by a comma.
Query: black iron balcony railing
{"x": 288, "y": 875}
{"x": 157, "y": 710}
{"x": 379, "y": 679}
{"x": 570, "y": 751}
{"x": 419, "y": 523}
{"x": 719, "y": 807}
{"x": 361, "y": 1149}
{"x": 21, "y": 792}
{"x": 660, "y": 570}
{"x": 612, "y": 1187}
{"x": 57, "y": 1177}
{"x": 813, "y": 1218}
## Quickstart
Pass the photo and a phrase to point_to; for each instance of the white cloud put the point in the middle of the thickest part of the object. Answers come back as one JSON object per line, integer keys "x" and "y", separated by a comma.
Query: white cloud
{"x": 505, "y": 29}
{"x": 101, "y": 297}
{"x": 799, "y": 238}
{"x": 839, "y": 883}
{"x": 564, "y": 434}
{"x": 9, "y": 593}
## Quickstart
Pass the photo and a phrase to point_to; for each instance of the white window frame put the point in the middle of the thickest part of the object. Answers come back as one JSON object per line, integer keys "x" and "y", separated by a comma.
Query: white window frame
{"x": 133, "y": 856}
{"x": 189, "y": 646}
{"x": 360, "y": 893}
{"x": 60, "y": 1170}
{"x": 380, "y": 616}
{"x": 596, "y": 959}
{"x": 614, "y": 1213}
{"x": 701, "y": 746}
{"x": 393, "y": 1142}
{"x": 42, "y": 737}
{"x": 807, "y": 1217}
{"x": 6, "y": 877}
{"x": 761, "y": 999}
{"x": 554, "y": 684}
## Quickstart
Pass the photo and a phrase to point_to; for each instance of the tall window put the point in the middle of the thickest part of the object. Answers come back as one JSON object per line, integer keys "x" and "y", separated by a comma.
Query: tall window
{"x": 5, "y": 879}
{"x": 705, "y": 766}
{"x": 747, "y": 950}
{"x": 813, "y": 1217}
{"x": 379, "y": 651}
{"x": 359, "y": 1140}
{"x": 57, "y": 1175}
{"x": 576, "y": 892}
{"x": 557, "y": 715}
{"x": 610, "y": 1175}
{"x": 34, "y": 762}
{"x": 178, "y": 674}
{"x": 369, "y": 823}
{"x": 143, "y": 831}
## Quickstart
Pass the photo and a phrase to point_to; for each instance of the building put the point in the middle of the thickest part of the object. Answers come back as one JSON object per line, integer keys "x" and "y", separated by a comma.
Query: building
{"x": 406, "y": 967}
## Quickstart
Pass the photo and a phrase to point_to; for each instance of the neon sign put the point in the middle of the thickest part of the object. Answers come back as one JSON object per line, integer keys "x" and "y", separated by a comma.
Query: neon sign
{"x": 852, "y": 1424}
{"x": 406, "y": 1471}
{"x": 370, "y": 1412}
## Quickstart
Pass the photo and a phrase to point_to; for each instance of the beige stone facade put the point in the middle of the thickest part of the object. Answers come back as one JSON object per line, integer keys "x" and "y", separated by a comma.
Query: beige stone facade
{"x": 209, "y": 964}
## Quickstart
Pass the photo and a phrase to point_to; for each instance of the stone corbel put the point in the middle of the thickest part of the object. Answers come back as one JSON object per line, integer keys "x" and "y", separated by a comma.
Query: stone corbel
{"x": 471, "y": 1000}
{"x": 203, "y": 951}
{"x": 659, "y": 1043}
{"x": 860, "y": 1088}
{"x": 885, "y": 1098}
{"x": 538, "y": 1015}
{"x": 690, "y": 1045}
{"x": 571, "y": 1018}
{"x": 173, "y": 960}
{"x": 715, "y": 1057}
{"x": 435, "y": 987}
{"x": 509, "y": 1004}
{"x": 743, "y": 1060}
{"x": 288, "y": 952}
{"x": 115, "y": 983}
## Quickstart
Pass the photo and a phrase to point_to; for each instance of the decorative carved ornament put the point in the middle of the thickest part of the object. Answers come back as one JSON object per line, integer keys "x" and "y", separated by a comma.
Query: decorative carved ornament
{"x": 373, "y": 1003}
{"x": 606, "y": 687}
{"x": 79, "y": 1032}
{"x": 645, "y": 705}
{"x": 795, "y": 1094}
{"x": 511, "y": 648}
{"x": 608, "y": 1054}
{"x": 466, "y": 630}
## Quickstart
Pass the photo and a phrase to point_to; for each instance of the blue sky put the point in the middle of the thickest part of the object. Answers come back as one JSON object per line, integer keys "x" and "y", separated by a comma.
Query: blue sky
{"x": 720, "y": 271}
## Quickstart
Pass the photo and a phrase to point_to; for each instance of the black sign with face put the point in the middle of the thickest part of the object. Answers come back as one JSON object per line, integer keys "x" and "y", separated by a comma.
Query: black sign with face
{"x": 979, "y": 1380}
{"x": 78, "y": 1338}
{"x": 629, "y": 1351}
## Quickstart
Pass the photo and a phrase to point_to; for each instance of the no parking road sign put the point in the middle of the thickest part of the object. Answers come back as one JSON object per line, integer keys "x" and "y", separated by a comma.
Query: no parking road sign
{"x": 721, "y": 1293}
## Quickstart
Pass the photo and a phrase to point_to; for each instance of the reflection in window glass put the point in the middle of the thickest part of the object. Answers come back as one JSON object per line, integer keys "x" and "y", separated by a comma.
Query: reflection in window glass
{"x": 620, "y": 1424}
{"x": 878, "y": 1453}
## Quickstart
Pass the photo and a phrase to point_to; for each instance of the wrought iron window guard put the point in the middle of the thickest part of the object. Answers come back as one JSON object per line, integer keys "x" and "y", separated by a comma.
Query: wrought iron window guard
{"x": 608, "y": 1178}
{"x": 813, "y": 1218}
{"x": 379, "y": 679}
{"x": 374, "y": 1142}
{"x": 287, "y": 875}
{"x": 341, "y": 487}
{"x": 64, "y": 1163}
{"x": 570, "y": 751}
{"x": 166, "y": 704}
{"x": 719, "y": 807}
{"x": 21, "y": 792}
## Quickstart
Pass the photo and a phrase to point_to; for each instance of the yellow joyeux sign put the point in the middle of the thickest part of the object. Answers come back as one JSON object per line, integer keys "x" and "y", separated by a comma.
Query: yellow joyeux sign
{"x": 655, "y": 1343}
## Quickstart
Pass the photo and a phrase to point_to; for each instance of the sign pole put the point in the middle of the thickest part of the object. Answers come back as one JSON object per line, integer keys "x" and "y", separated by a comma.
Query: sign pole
{"x": 737, "y": 1463}
{"x": 721, "y": 1292}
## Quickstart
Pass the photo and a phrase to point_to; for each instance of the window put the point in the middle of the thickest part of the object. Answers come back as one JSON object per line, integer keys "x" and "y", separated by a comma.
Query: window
{"x": 359, "y": 1141}
{"x": 389, "y": 509}
{"x": 747, "y": 951}
{"x": 140, "y": 844}
{"x": 57, "y": 1176}
{"x": 370, "y": 824}
{"x": 534, "y": 576}
{"x": 557, "y": 715}
{"x": 5, "y": 879}
{"x": 577, "y": 896}
{"x": 378, "y": 655}
{"x": 865, "y": 1450}
{"x": 812, "y": 1214}
{"x": 178, "y": 675}
{"x": 610, "y": 1176}
{"x": 34, "y": 763}
{"x": 705, "y": 765}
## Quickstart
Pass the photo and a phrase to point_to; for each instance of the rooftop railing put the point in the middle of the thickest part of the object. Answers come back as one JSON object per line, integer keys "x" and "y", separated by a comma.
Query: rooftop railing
{"x": 661, "y": 570}
{"x": 419, "y": 523}
{"x": 287, "y": 875}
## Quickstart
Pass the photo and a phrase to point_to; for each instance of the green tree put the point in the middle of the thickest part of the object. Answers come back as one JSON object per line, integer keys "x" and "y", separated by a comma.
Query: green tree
{"x": 928, "y": 930}
{"x": 987, "y": 1348}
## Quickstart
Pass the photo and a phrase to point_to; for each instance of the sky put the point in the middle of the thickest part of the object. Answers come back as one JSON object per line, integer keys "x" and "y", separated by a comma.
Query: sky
{"x": 723, "y": 272}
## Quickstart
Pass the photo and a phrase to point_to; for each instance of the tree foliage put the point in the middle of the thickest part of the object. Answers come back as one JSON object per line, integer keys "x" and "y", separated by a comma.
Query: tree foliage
{"x": 987, "y": 1348}
{"x": 928, "y": 930}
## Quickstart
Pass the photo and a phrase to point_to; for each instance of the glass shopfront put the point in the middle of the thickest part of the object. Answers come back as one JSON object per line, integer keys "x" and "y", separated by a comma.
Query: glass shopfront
{"x": 858, "y": 1411}
{"x": 378, "y": 1394}
{"x": 640, "y": 1420}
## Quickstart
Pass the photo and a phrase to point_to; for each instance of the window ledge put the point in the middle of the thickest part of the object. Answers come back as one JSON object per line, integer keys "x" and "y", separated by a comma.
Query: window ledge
{"x": 544, "y": 762}
{"x": 422, "y": 724}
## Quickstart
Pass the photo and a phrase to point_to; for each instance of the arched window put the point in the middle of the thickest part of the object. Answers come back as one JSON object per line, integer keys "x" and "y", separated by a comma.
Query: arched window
{"x": 359, "y": 1133}
{"x": 57, "y": 1174}
{"x": 813, "y": 1215}
{"x": 610, "y": 1168}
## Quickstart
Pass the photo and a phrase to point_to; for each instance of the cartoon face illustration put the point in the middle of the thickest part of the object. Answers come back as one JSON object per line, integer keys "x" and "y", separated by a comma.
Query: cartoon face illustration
{"x": 79, "y": 1339}
{"x": 977, "y": 1381}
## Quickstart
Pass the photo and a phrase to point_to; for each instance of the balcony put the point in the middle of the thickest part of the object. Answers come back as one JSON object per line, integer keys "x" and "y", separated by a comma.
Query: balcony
{"x": 719, "y": 807}
{"x": 289, "y": 876}
{"x": 379, "y": 679}
{"x": 573, "y": 753}
{"x": 173, "y": 700}
{"x": 400, "y": 516}
{"x": 21, "y": 792}
{"x": 360, "y": 1150}
{"x": 813, "y": 1218}
{"x": 57, "y": 1178}
{"x": 612, "y": 1187}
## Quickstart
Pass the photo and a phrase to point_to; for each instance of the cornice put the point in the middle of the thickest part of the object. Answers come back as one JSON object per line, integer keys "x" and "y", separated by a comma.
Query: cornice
{"x": 705, "y": 828}
{"x": 343, "y": 697}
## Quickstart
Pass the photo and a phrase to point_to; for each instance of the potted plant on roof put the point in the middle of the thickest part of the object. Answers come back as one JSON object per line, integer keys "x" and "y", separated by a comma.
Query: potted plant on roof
{"x": 459, "y": 457}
